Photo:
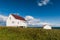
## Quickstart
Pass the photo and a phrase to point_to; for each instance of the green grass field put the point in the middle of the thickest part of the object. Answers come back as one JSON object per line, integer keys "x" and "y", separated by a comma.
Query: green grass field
{"x": 13, "y": 33}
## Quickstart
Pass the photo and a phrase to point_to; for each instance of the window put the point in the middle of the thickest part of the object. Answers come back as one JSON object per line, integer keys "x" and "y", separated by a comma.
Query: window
{"x": 12, "y": 21}
{"x": 10, "y": 18}
{"x": 18, "y": 22}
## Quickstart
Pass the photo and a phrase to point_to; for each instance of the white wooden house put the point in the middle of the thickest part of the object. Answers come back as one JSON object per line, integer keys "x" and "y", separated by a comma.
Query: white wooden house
{"x": 16, "y": 21}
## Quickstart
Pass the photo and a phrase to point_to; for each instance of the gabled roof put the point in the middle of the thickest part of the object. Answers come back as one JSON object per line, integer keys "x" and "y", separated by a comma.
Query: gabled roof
{"x": 18, "y": 17}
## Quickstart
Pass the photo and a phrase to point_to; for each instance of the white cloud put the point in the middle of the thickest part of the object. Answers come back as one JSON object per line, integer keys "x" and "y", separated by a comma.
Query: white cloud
{"x": 44, "y": 23}
{"x": 43, "y": 2}
{"x": 32, "y": 21}
{"x": 37, "y": 22}
{"x": 3, "y": 18}
{"x": 29, "y": 18}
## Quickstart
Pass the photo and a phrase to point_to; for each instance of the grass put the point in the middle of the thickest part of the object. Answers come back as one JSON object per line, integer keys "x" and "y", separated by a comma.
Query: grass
{"x": 13, "y": 33}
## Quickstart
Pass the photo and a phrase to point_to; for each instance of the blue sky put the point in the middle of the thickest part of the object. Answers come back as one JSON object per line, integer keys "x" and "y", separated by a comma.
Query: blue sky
{"x": 49, "y": 12}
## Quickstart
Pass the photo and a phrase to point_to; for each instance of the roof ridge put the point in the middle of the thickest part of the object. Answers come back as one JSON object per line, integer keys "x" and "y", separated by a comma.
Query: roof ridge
{"x": 18, "y": 17}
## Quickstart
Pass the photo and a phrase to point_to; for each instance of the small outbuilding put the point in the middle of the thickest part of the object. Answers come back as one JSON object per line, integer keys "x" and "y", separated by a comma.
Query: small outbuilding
{"x": 46, "y": 26}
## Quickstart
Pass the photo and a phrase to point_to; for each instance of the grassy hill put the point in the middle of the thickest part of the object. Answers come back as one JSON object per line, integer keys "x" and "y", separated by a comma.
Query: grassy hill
{"x": 10, "y": 33}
